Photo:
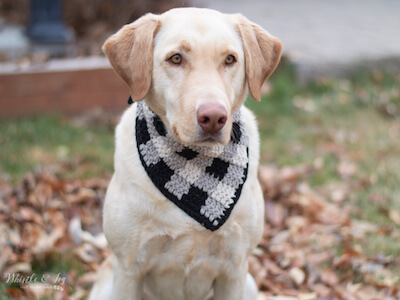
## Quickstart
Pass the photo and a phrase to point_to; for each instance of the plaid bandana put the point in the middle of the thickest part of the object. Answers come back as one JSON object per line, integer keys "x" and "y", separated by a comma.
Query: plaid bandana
{"x": 204, "y": 181}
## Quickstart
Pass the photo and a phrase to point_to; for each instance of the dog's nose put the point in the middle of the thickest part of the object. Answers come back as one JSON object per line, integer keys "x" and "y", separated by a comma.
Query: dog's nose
{"x": 211, "y": 117}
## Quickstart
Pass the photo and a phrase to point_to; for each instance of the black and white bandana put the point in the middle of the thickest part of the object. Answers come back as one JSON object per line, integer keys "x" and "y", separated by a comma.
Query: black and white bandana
{"x": 204, "y": 181}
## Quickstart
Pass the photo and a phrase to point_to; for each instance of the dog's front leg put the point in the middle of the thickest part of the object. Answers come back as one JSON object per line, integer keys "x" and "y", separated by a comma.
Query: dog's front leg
{"x": 126, "y": 284}
{"x": 230, "y": 286}
{"x": 123, "y": 236}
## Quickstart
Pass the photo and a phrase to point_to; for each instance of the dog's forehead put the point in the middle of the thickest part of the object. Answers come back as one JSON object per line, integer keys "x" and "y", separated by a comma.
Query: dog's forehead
{"x": 202, "y": 25}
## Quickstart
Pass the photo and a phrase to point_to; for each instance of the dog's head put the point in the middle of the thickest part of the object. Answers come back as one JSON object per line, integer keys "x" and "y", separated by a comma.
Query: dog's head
{"x": 194, "y": 67}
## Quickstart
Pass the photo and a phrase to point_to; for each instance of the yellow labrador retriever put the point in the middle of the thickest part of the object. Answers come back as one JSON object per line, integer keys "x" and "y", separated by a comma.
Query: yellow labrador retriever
{"x": 184, "y": 208}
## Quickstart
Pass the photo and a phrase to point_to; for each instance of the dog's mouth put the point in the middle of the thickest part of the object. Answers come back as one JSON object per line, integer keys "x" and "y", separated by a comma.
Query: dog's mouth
{"x": 202, "y": 138}
{"x": 212, "y": 139}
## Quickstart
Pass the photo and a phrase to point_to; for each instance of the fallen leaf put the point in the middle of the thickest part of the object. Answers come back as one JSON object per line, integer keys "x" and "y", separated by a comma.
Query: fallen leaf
{"x": 298, "y": 276}
{"x": 22, "y": 267}
{"x": 14, "y": 293}
{"x": 272, "y": 267}
{"x": 80, "y": 235}
{"x": 322, "y": 290}
{"x": 274, "y": 213}
{"x": 280, "y": 238}
{"x": 47, "y": 242}
{"x": 83, "y": 195}
{"x": 28, "y": 214}
{"x": 87, "y": 253}
{"x": 329, "y": 277}
{"x": 39, "y": 290}
{"x": 308, "y": 296}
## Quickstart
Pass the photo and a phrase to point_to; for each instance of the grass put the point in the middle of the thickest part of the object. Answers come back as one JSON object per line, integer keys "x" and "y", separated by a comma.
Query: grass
{"x": 58, "y": 264}
{"x": 328, "y": 123}
{"x": 49, "y": 140}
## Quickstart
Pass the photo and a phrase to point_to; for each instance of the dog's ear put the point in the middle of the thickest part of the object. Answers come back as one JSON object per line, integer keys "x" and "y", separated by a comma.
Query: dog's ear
{"x": 130, "y": 52}
{"x": 262, "y": 54}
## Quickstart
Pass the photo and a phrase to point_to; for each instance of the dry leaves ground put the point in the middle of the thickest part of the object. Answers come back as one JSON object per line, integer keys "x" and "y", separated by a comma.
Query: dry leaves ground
{"x": 51, "y": 241}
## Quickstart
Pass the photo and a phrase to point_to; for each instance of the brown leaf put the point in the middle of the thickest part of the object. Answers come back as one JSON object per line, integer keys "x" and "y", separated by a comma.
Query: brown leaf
{"x": 5, "y": 192}
{"x": 84, "y": 194}
{"x": 39, "y": 290}
{"x": 274, "y": 213}
{"x": 28, "y": 214}
{"x": 329, "y": 277}
{"x": 22, "y": 267}
{"x": 270, "y": 181}
{"x": 14, "y": 293}
{"x": 61, "y": 292}
{"x": 272, "y": 267}
{"x": 307, "y": 296}
{"x": 46, "y": 242}
{"x": 342, "y": 294}
{"x": 319, "y": 257}
{"x": 369, "y": 293}
{"x": 87, "y": 253}
{"x": 9, "y": 234}
{"x": 289, "y": 174}
{"x": 280, "y": 238}
{"x": 254, "y": 265}
{"x": 272, "y": 286}
{"x": 321, "y": 290}
{"x": 95, "y": 183}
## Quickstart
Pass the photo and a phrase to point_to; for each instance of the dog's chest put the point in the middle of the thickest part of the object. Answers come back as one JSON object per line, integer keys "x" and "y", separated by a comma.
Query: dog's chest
{"x": 190, "y": 261}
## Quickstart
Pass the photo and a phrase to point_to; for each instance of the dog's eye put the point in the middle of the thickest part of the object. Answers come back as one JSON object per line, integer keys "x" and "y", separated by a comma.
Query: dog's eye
{"x": 230, "y": 59}
{"x": 176, "y": 59}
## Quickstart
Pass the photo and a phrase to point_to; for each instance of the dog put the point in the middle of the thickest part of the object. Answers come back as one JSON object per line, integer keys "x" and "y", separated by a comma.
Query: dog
{"x": 184, "y": 208}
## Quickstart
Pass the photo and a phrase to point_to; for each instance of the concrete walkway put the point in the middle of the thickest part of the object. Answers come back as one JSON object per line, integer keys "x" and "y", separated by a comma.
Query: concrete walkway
{"x": 325, "y": 37}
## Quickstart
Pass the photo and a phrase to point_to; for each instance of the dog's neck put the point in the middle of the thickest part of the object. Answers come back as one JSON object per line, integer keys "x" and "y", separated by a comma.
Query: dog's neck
{"x": 204, "y": 181}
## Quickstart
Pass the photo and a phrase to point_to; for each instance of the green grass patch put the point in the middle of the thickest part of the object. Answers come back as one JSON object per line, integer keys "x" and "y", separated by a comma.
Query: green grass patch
{"x": 45, "y": 141}
{"x": 58, "y": 264}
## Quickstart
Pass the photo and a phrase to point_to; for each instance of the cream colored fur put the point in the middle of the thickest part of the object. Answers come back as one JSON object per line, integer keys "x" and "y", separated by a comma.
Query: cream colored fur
{"x": 159, "y": 252}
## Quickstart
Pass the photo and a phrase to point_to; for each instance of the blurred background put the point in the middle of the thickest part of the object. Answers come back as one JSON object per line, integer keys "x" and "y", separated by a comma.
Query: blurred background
{"x": 330, "y": 145}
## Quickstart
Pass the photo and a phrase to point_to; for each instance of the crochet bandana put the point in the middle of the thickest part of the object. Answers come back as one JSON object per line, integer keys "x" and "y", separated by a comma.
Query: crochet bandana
{"x": 204, "y": 181}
